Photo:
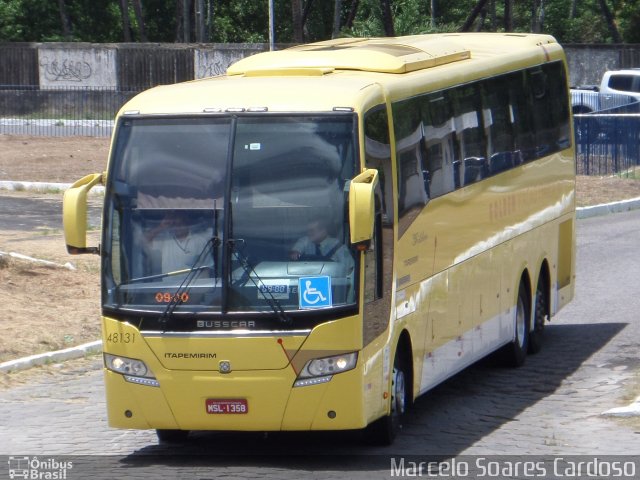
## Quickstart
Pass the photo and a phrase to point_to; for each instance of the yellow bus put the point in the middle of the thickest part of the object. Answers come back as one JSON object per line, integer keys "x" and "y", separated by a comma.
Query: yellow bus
{"x": 321, "y": 235}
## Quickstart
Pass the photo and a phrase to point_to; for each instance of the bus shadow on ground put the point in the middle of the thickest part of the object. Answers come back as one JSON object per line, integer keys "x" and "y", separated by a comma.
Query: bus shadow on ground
{"x": 443, "y": 423}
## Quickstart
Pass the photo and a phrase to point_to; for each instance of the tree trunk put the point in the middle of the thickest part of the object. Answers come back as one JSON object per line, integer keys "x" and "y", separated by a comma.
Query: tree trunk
{"x": 434, "y": 13}
{"x": 336, "y": 18}
{"x": 574, "y": 9}
{"x": 472, "y": 16}
{"x": 494, "y": 15}
{"x": 126, "y": 25}
{"x": 296, "y": 12}
{"x": 137, "y": 8}
{"x": 352, "y": 13}
{"x": 209, "y": 21}
{"x": 611, "y": 22}
{"x": 535, "y": 23}
{"x": 483, "y": 17}
{"x": 508, "y": 16}
{"x": 541, "y": 15}
{"x": 64, "y": 19}
{"x": 199, "y": 21}
{"x": 387, "y": 18}
{"x": 186, "y": 21}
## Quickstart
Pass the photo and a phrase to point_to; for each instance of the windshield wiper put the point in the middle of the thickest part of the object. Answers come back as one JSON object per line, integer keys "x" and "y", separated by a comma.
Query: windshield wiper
{"x": 251, "y": 274}
{"x": 184, "y": 287}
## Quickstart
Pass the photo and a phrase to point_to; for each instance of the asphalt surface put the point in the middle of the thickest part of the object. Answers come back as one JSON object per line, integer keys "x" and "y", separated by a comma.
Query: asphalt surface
{"x": 550, "y": 406}
{"x": 26, "y": 213}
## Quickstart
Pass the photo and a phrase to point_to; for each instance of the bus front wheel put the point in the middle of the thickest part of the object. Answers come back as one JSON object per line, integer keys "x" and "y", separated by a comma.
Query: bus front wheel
{"x": 384, "y": 430}
{"x": 172, "y": 436}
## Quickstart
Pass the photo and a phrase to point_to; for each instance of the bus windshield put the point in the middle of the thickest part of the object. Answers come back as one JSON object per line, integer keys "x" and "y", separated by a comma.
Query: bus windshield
{"x": 229, "y": 215}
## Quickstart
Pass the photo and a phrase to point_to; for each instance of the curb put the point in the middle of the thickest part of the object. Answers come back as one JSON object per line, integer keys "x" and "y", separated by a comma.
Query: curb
{"x": 51, "y": 357}
{"x": 631, "y": 410}
{"x": 96, "y": 346}
{"x": 43, "y": 187}
{"x": 607, "y": 208}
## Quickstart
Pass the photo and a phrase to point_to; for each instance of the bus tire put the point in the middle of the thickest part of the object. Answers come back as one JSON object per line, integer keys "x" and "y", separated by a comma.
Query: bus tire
{"x": 384, "y": 430}
{"x": 516, "y": 351}
{"x": 172, "y": 436}
{"x": 539, "y": 317}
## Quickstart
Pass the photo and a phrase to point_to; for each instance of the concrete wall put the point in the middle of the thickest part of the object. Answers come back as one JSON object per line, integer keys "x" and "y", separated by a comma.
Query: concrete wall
{"x": 114, "y": 66}
{"x": 587, "y": 63}
{"x": 139, "y": 66}
{"x": 76, "y": 66}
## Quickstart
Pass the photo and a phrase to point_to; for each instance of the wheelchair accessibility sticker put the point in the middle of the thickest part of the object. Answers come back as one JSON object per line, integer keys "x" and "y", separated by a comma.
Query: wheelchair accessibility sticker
{"x": 314, "y": 292}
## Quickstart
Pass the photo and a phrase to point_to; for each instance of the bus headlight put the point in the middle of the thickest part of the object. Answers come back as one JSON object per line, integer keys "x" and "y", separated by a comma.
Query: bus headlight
{"x": 134, "y": 371}
{"x": 321, "y": 370}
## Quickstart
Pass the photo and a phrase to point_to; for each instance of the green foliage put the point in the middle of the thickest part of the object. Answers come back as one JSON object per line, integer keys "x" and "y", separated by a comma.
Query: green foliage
{"x": 247, "y": 20}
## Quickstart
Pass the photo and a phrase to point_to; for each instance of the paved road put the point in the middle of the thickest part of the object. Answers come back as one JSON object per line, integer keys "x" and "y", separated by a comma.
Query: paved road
{"x": 550, "y": 406}
{"x": 25, "y": 213}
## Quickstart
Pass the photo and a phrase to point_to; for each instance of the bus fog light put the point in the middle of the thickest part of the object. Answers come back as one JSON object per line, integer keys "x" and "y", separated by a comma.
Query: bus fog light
{"x": 327, "y": 366}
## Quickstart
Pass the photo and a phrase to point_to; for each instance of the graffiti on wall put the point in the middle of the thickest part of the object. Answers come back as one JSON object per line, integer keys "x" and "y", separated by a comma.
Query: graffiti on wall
{"x": 214, "y": 69}
{"x": 66, "y": 71}
{"x": 211, "y": 63}
{"x": 77, "y": 67}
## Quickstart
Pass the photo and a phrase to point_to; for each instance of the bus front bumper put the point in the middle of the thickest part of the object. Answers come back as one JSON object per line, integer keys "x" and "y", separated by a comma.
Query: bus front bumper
{"x": 263, "y": 400}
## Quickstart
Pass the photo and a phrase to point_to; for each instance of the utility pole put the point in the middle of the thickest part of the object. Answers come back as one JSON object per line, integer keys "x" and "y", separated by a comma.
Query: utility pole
{"x": 271, "y": 27}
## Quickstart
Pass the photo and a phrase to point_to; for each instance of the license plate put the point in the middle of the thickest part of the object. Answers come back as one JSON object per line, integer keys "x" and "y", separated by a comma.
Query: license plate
{"x": 227, "y": 406}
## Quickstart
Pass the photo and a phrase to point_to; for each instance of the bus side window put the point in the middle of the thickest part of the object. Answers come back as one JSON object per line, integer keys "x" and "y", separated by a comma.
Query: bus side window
{"x": 470, "y": 132}
{"x": 378, "y": 156}
{"x": 440, "y": 144}
{"x": 498, "y": 125}
{"x": 378, "y": 261}
{"x": 373, "y": 271}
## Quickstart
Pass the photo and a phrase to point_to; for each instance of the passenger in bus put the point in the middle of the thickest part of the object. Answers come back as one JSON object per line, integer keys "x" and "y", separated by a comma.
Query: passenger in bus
{"x": 317, "y": 244}
{"x": 179, "y": 244}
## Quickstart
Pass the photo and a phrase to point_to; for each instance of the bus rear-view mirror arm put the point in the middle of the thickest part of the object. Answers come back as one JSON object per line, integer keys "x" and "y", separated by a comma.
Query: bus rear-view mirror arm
{"x": 74, "y": 214}
{"x": 362, "y": 207}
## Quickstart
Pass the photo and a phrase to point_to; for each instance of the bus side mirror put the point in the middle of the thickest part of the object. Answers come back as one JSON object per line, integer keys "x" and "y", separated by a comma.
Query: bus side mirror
{"x": 362, "y": 206}
{"x": 74, "y": 214}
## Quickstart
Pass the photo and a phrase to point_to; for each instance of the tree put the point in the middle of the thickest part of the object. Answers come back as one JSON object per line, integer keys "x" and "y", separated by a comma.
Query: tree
{"x": 298, "y": 21}
{"x": 508, "y": 16}
{"x": 613, "y": 28}
{"x": 472, "y": 16}
{"x": 337, "y": 10}
{"x": 126, "y": 24}
{"x": 137, "y": 8}
{"x": 387, "y": 18}
{"x": 352, "y": 13}
{"x": 200, "y": 22}
{"x": 65, "y": 21}
{"x": 584, "y": 21}
{"x": 537, "y": 16}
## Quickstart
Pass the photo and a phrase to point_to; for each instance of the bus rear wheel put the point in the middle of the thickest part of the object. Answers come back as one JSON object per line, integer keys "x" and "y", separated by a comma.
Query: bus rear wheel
{"x": 385, "y": 430}
{"x": 540, "y": 310}
{"x": 516, "y": 351}
{"x": 172, "y": 436}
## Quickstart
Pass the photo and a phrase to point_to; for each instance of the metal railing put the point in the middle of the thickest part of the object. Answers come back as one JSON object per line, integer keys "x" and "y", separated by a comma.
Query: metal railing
{"x": 608, "y": 141}
{"x": 59, "y": 111}
{"x": 607, "y": 144}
